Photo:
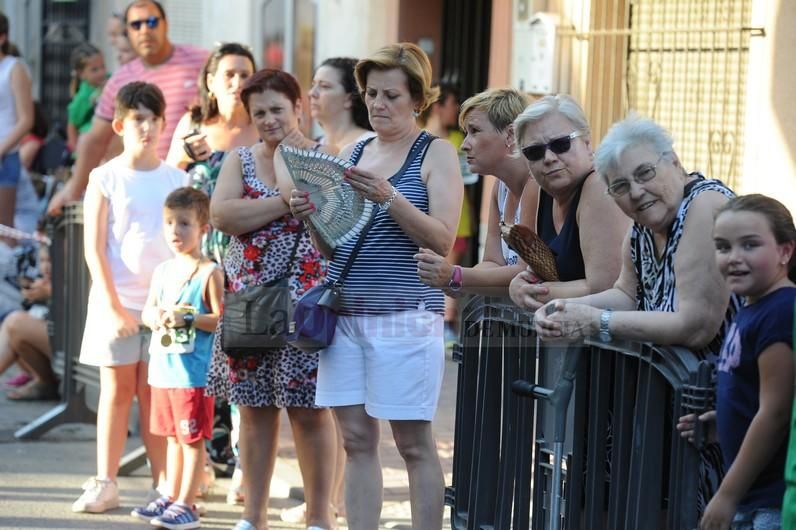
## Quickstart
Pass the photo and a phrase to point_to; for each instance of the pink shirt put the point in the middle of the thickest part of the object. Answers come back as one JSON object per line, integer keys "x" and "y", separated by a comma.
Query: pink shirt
{"x": 176, "y": 77}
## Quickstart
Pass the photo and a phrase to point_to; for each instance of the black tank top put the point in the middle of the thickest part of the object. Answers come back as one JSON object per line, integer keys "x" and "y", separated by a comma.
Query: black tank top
{"x": 566, "y": 244}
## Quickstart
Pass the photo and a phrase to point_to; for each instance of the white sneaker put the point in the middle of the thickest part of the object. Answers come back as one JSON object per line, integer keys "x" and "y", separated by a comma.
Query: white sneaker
{"x": 98, "y": 496}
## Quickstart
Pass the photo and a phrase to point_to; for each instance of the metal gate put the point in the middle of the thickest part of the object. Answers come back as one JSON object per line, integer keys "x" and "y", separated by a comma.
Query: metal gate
{"x": 682, "y": 63}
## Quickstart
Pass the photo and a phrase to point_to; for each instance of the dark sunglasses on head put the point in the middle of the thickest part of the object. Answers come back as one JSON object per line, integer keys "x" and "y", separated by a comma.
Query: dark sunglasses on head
{"x": 560, "y": 145}
{"x": 151, "y": 22}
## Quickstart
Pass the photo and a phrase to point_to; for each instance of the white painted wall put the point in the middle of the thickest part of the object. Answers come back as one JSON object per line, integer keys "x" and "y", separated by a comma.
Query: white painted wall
{"x": 354, "y": 28}
{"x": 770, "y": 151}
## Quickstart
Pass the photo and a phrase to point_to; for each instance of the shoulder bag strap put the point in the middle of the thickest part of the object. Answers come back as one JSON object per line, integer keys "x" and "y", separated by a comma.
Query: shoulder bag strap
{"x": 299, "y": 233}
{"x": 419, "y": 145}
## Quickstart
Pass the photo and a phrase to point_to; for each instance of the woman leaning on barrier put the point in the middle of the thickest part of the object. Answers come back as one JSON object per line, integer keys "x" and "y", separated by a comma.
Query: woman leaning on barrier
{"x": 489, "y": 145}
{"x": 574, "y": 216}
{"x": 670, "y": 291}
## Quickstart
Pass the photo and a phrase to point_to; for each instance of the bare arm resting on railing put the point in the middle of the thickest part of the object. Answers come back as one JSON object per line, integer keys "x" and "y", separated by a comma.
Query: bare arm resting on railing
{"x": 702, "y": 295}
{"x": 490, "y": 277}
{"x": 602, "y": 227}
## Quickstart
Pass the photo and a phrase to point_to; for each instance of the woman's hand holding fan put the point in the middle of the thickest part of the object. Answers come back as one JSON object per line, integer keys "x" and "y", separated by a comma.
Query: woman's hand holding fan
{"x": 532, "y": 250}
{"x": 338, "y": 213}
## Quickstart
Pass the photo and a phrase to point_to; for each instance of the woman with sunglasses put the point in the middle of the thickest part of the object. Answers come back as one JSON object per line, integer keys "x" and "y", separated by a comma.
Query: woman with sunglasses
{"x": 670, "y": 290}
{"x": 574, "y": 215}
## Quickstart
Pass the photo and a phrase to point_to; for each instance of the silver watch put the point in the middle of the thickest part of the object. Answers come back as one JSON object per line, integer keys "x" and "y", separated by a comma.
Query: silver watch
{"x": 605, "y": 320}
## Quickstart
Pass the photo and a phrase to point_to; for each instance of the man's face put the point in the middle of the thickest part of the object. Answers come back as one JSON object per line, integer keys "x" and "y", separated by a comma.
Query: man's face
{"x": 147, "y": 31}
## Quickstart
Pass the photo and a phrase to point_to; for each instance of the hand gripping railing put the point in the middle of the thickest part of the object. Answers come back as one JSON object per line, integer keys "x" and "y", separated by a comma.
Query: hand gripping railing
{"x": 597, "y": 449}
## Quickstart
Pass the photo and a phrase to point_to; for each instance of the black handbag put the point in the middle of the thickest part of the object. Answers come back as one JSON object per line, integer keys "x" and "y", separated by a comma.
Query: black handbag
{"x": 314, "y": 320}
{"x": 257, "y": 318}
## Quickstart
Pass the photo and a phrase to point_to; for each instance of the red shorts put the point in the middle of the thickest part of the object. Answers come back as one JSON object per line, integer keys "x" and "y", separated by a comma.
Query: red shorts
{"x": 185, "y": 413}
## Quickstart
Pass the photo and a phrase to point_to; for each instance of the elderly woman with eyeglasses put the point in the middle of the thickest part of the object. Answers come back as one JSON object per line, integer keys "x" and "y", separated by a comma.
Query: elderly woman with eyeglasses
{"x": 574, "y": 215}
{"x": 670, "y": 290}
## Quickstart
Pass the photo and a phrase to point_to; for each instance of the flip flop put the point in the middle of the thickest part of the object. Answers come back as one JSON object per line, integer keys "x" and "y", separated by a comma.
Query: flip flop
{"x": 21, "y": 379}
{"x": 34, "y": 391}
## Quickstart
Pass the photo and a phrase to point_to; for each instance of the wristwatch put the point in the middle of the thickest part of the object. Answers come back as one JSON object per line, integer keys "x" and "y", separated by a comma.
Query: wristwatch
{"x": 188, "y": 318}
{"x": 605, "y": 319}
{"x": 455, "y": 282}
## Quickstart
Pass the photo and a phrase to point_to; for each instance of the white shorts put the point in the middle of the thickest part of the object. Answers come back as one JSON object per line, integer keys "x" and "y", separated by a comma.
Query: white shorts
{"x": 393, "y": 364}
{"x": 101, "y": 348}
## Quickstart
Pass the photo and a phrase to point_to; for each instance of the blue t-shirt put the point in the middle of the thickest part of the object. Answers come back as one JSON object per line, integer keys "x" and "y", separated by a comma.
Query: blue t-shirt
{"x": 755, "y": 328}
{"x": 182, "y": 370}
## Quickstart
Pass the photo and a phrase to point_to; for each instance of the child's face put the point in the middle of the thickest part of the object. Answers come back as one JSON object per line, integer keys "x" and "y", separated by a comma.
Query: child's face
{"x": 182, "y": 230}
{"x": 139, "y": 129}
{"x": 93, "y": 71}
{"x": 748, "y": 255}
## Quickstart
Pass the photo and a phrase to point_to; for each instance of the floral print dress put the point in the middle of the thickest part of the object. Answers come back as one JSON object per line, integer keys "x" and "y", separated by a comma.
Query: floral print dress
{"x": 283, "y": 377}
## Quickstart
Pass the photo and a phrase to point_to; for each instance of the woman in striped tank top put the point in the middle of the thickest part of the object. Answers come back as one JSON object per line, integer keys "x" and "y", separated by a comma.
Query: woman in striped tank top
{"x": 387, "y": 357}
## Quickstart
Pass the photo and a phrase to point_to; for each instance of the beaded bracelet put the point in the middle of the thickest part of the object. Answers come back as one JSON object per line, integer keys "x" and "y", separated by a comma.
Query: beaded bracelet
{"x": 384, "y": 206}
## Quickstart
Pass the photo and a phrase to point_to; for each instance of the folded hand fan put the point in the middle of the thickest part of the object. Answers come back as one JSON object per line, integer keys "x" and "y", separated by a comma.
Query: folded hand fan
{"x": 341, "y": 212}
{"x": 531, "y": 249}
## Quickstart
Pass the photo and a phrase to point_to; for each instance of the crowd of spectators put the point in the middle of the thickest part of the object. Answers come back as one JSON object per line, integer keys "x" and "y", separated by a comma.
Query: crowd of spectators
{"x": 187, "y": 201}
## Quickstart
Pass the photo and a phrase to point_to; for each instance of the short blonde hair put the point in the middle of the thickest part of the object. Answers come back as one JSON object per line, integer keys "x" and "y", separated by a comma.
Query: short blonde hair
{"x": 409, "y": 58}
{"x": 501, "y": 105}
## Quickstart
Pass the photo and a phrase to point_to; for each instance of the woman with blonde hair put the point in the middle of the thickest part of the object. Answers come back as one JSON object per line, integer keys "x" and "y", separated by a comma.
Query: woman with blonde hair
{"x": 490, "y": 146}
{"x": 387, "y": 357}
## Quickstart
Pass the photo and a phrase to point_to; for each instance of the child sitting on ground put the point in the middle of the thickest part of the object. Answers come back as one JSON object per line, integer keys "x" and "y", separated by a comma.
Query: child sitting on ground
{"x": 182, "y": 310}
{"x": 755, "y": 239}
{"x": 124, "y": 243}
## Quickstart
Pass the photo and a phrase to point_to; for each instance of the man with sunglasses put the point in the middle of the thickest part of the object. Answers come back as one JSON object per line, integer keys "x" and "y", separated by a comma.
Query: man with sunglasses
{"x": 174, "y": 68}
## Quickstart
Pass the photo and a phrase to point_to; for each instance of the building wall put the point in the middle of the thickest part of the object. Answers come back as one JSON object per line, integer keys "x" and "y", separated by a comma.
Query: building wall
{"x": 354, "y": 28}
{"x": 770, "y": 154}
{"x": 422, "y": 19}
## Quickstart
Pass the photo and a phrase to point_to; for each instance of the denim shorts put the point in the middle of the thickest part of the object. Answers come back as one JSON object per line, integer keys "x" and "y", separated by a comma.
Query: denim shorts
{"x": 760, "y": 519}
{"x": 10, "y": 169}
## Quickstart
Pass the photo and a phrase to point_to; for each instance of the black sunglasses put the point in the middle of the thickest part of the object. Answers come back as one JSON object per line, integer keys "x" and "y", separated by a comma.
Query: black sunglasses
{"x": 536, "y": 152}
{"x": 151, "y": 22}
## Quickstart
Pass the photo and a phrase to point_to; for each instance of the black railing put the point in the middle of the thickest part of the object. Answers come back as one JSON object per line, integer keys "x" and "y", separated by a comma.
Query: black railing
{"x": 67, "y": 318}
{"x": 608, "y": 458}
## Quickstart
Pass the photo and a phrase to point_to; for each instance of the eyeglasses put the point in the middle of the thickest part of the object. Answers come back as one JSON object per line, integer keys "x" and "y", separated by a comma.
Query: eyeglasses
{"x": 644, "y": 173}
{"x": 536, "y": 152}
{"x": 151, "y": 22}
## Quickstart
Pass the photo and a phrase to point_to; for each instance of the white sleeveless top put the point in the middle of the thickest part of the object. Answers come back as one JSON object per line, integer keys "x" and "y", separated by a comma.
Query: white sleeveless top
{"x": 8, "y": 109}
{"x": 509, "y": 256}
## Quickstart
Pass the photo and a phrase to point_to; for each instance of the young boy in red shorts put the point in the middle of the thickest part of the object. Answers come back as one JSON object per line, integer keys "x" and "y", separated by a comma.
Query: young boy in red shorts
{"x": 182, "y": 310}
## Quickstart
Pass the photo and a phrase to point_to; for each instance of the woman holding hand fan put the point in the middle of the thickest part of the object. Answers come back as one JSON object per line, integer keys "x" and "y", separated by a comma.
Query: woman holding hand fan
{"x": 575, "y": 216}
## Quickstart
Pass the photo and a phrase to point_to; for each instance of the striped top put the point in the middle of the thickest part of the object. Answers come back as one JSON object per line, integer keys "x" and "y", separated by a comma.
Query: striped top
{"x": 176, "y": 78}
{"x": 383, "y": 277}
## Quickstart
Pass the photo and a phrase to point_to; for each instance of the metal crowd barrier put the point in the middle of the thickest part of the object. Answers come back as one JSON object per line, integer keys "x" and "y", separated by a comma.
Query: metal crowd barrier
{"x": 571, "y": 437}
{"x": 65, "y": 323}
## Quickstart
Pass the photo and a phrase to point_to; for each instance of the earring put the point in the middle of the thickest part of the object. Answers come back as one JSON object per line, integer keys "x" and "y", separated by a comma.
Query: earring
{"x": 415, "y": 114}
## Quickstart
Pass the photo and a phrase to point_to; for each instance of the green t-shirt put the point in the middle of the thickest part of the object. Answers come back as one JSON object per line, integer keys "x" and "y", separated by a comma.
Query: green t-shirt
{"x": 789, "y": 502}
{"x": 81, "y": 108}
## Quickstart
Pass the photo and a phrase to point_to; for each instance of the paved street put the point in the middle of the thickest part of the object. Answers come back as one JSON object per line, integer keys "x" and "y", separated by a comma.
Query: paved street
{"x": 40, "y": 479}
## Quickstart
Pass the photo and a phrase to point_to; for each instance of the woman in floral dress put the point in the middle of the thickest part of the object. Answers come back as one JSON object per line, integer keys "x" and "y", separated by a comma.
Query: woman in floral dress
{"x": 247, "y": 205}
